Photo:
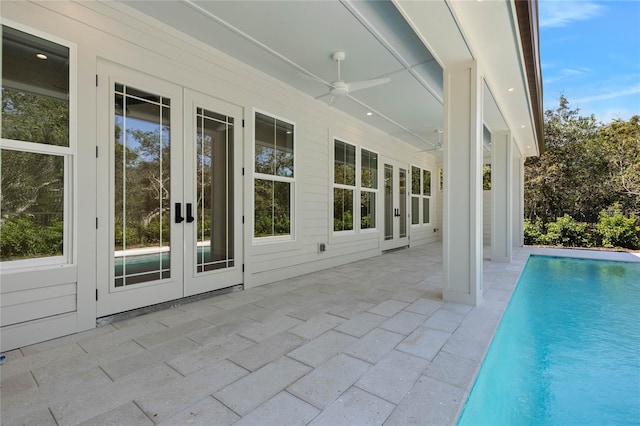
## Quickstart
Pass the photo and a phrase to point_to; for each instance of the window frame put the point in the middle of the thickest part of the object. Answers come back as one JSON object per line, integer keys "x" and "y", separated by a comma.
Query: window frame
{"x": 420, "y": 197}
{"x": 352, "y": 188}
{"x": 426, "y": 196}
{"x": 357, "y": 189}
{"x": 362, "y": 189}
{"x": 69, "y": 155}
{"x": 274, "y": 178}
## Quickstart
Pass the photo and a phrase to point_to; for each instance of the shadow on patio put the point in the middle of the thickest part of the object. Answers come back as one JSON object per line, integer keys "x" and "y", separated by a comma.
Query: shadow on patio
{"x": 366, "y": 343}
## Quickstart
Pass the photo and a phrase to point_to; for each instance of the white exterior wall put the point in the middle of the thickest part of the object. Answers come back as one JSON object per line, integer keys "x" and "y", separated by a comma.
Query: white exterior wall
{"x": 486, "y": 218}
{"x": 66, "y": 296}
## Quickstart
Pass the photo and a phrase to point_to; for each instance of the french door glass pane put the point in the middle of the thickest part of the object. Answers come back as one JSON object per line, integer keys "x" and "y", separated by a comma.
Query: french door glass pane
{"x": 388, "y": 202}
{"x": 214, "y": 209}
{"x": 32, "y": 205}
{"x": 403, "y": 203}
{"x": 141, "y": 186}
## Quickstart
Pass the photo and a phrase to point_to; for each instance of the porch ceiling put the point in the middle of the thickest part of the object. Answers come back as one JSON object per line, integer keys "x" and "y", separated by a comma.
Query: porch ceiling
{"x": 287, "y": 38}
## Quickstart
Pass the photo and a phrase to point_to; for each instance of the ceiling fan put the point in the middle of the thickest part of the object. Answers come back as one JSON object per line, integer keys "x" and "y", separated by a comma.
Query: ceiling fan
{"x": 341, "y": 88}
{"x": 437, "y": 146}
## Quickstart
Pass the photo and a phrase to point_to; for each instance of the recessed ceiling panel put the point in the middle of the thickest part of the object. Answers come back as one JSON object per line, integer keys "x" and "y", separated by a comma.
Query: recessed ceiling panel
{"x": 308, "y": 32}
{"x": 413, "y": 106}
{"x": 285, "y": 38}
{"x": 391, "y": 27}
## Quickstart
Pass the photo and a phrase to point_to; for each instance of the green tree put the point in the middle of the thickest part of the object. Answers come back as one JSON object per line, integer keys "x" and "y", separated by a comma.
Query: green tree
{"x": 619, "y": 144}
{"x": 616, "y": 230}
{"x": 32, "y": 184}
{"x": 560, "y": 181}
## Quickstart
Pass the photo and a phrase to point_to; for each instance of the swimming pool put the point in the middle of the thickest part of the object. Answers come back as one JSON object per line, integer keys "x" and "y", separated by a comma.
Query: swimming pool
{"x": 567, "y": 351}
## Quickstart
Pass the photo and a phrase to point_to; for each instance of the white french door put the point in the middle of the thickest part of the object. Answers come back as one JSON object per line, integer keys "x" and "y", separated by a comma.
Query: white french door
{"x": 213, "y": 194}
{"x": 169, "y": 191}
{"x": 396, "y": 200}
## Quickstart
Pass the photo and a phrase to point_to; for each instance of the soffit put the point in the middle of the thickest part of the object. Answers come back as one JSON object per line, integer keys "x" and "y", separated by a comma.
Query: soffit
{"x": 490, "y": 28}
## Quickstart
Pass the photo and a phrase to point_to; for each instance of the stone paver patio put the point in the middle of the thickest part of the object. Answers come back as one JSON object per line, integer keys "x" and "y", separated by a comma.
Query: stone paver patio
{"x": 367, "y": 343}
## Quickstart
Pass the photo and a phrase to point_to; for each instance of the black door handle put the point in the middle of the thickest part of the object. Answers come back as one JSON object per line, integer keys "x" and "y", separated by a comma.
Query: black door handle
{"x": 178, "y": 212}
{"x": 189, "y": 215}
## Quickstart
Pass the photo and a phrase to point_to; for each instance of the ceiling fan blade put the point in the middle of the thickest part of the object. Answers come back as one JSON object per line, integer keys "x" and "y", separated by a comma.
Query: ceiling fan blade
{"x": 313, "y": 78}
{"x": 365, "y": 84}
{"x": 332, "y": 99}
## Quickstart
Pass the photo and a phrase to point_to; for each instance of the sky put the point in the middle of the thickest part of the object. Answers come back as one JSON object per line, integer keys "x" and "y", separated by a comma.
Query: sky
{"x": 590, "y": 53}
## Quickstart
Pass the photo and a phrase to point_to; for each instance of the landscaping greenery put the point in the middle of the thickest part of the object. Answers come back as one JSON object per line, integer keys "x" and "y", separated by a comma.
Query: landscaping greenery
{"x": 584, "y": 190}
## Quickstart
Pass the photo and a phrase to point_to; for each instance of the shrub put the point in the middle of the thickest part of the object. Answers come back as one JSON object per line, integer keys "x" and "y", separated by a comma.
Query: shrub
{"x": 533, "y": 231}
{"x": 23, "y": 238}
{"x": 616, "y": 230}
{"x": 343, "y": 224}
{"x": 566, "y": 232}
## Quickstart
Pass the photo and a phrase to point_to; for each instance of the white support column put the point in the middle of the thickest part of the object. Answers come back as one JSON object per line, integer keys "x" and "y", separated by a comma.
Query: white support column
{"x": 462, "y": 164}
{"x": 501, "y": 196}
{"x": 518, "y": 200}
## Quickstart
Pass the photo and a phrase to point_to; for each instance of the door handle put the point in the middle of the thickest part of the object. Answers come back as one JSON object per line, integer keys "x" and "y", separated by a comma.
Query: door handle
{"x": 178, "y": 213}
{"x": 189, "y": 215}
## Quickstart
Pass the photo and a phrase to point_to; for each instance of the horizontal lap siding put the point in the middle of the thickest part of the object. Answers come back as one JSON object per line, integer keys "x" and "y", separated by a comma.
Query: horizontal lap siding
{"x": 28, "y": 305}
{"x": 486, "y": 218}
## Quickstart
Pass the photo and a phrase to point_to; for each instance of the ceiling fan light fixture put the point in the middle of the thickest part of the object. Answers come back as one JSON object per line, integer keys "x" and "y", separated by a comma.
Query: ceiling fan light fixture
{"x": 340, "y": 88}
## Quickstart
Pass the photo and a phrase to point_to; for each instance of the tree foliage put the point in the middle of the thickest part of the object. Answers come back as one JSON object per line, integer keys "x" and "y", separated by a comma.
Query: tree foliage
{"x": 587, "y": 169}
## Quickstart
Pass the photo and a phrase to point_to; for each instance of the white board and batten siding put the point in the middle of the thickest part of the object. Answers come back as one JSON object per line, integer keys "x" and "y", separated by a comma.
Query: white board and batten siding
{"x": 36, "y": 308}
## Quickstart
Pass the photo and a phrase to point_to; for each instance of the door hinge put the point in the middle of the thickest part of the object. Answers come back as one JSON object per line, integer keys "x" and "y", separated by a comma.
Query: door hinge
{"x": 96, "y": 294}
{"x": 242, "y": 218}
{"x": 243, "y": 267}
{"x": 243, "y": 171}
{"x": 96, "y": 80}
{"x": 243, "y": 123}
{"x": 96, "y": 223}
{"x": 96, "y": 151}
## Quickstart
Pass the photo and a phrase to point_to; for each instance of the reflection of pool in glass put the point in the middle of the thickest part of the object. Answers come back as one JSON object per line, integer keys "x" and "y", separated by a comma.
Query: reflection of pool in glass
{"x": 567, "y": 350}
{"x": 147, "y": 266}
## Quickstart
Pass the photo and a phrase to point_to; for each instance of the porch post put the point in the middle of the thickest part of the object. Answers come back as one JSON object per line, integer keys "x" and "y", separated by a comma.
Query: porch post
{"x": 518, "y": 199}
{"x": 501, "y": 193}
{"x": 462, "y": 164}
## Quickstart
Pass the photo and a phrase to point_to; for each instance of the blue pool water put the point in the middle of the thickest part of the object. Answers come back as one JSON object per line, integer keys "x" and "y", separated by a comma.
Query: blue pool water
{"x": 567, "y": 351}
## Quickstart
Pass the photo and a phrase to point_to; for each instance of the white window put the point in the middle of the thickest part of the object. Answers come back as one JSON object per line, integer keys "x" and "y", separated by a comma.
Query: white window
{"x": 420, "y": 196}
{"x": 36, "y": 150}
{"x": 426, "y": 197}
{"x": 368, "y": 188}
{"x": 274, "y": 180}
{"x": 354, "y": 179}
{"x": 344, "y": 185}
